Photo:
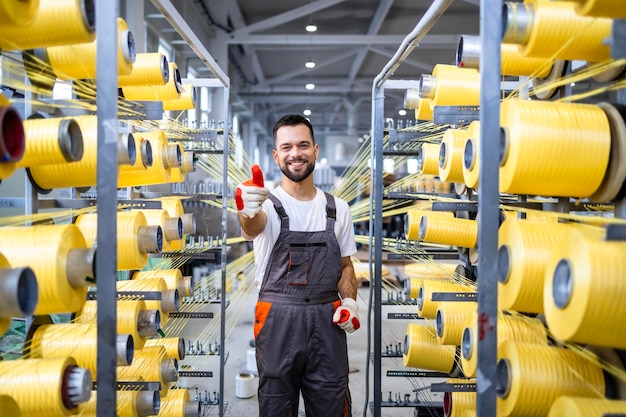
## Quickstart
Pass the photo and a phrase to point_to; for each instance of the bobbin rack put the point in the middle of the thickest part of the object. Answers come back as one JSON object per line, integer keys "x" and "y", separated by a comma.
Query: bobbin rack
{"x": 81, "y": 221}
{"x": 522, "y": 338}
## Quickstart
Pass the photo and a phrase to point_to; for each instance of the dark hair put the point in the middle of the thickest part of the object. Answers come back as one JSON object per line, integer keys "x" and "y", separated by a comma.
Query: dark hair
{"x": 293, "y": 120}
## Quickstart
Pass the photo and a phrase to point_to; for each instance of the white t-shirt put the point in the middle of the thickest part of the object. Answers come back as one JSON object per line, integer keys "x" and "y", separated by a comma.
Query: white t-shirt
{"x": 304, "y": 216}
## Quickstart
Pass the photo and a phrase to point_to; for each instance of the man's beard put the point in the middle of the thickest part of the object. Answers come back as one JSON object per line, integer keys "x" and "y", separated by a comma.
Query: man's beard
{"x": 301, "y": 176}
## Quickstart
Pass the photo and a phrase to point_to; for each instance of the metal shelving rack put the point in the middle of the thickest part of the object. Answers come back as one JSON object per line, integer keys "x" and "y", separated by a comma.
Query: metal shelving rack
{"x": 490, "y": 18}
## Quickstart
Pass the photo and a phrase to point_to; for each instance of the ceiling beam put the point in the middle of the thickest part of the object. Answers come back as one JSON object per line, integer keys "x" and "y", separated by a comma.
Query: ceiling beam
{"x": 282, "y": 18}
{"x": 434, "y": 41}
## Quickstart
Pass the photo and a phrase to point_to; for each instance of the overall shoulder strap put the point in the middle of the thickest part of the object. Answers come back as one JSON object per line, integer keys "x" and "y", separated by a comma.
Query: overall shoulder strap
{"x": 331, "y": 212}
{"x": 280, "y": 210}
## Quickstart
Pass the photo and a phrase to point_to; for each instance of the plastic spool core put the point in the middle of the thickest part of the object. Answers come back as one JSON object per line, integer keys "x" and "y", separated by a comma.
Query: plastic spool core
{"x": 562, "y": 284}
{"x": 517, "y": 22}
{"x": 420, "y": 159}
{"x": 168, "y": 370}
{"x": 127, "y": 151}
{"x": 12, "y": 144}
{"x": 467, "y": 347}
{"x": 423, "y": 227}
{"x": 504, "y": 145}
{"x": 469, "y": 158}
{"x": 503, "y": 378}
{"x": 411, "y": 98}
{"x": 88, "y": 13}
{"x": 165, "y": 69}
{"x": 125, "y": 348}
{"x": 19, "y": 292}
{"x": 70, "y": 140}
{"x": 146, "y": 154}
{"x": 443, "y": 161}
{"x": 148, "y": 323}
{"x": 504, "y": 263}
{"x": 420, "y": 299}
{"x": 439, "y": 323}
{"x": 76, "y": 386}
{"x": 129, "y": 51}
{"x": 148, "y": 403}
{"x": 447, "y": 404}
{"x": 178, "y": 82}
{"x": 405, "y": 345}
{"x": 468, "y": 52}
{"x": 427, "y": 86}
{"x": 192, "y": 409}
{"x": 407, "y": 286}
{"x": 170, "y": 301}
{"x": 181, "y": 348}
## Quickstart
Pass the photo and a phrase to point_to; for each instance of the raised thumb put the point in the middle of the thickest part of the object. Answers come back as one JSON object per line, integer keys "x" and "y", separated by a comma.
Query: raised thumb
{"x": 257, "y": 176}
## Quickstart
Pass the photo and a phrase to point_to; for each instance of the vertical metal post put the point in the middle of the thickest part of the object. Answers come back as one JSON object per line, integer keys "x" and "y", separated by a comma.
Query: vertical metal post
{"x": 226, "y": 92}
{"x": 107, "y": 12}
{"x": 377, "y": 195}
{"x": 488, "y": 199}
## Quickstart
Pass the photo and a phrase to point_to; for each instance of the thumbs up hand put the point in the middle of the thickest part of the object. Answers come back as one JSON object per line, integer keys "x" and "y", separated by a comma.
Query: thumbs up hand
{"x": 250, "y": 194}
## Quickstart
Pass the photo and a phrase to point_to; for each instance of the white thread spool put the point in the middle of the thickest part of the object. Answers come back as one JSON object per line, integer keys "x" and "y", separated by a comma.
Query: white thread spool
{"x": 251, "y": 360}
{"x": 244, "y": 385}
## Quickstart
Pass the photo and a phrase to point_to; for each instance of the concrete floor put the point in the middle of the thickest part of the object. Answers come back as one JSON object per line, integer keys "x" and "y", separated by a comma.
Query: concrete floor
{"x": 394, "y": 330}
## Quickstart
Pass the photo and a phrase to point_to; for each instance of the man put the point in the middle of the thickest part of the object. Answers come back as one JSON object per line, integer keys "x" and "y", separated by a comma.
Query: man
{"x": 303, "y": 240}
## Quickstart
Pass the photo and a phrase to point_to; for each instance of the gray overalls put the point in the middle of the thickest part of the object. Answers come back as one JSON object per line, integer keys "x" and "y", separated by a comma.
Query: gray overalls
{"x": 298, "y": 348}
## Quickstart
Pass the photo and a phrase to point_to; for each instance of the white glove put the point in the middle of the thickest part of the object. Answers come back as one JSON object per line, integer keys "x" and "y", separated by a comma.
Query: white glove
{"x": 347, "y": 315}
{"x": 250, "y": 195}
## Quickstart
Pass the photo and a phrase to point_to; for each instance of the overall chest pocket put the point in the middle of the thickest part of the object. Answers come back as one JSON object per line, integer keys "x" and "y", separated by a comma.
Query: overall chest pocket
{"x": 301, "y": 258}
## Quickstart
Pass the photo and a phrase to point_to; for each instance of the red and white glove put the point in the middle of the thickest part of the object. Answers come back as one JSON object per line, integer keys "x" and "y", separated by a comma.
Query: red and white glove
{"x": 250, "y": 194}
{"x": 347, "y": 315}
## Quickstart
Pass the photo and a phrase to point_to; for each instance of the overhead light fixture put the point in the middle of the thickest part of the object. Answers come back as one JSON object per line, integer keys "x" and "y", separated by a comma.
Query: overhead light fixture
{"x": 311, "y": 27}
{"x": 307, "y": 112}
{"x": 309, "y": 64}
{"x": 310, "y": 86}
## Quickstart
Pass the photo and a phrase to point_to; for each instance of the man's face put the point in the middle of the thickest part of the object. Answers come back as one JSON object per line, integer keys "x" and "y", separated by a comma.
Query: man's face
{"x": 295, "y": 152}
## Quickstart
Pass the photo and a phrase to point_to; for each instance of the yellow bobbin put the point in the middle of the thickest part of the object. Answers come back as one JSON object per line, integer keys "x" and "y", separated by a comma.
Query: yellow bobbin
{"x": 601, "y": 8}
{"x": 428, "y": 159}
{"x": 414, "y": 217}
{"x": 51, "y": 141}
{"x": 158, "y": 172}
{"x": 585, "y": 280}
{"x": 15, "y": 13}
{"x": 77, "y": 17}
{"x": 422, "y": 351}
{"x": 175, "y": 403}
{"x": 186, "y": 101}
{"x": 129, "y": 403}
{"x": 451, "y": 155}
{"x": 553, "y": 149}
{"x": 49, "y": 251}
{"x": 448, "y": 231}
{"x": 454, "y": 86}
{"x": 170, "y": 91}
{"x": 426, "y": 307}
{"x": 150, "y": 364}
{"x": 169, "y": 301}
{"x": 172, "y": 226}
{"x": 458, "y": 403}
{"x": 148, "y": 69}
{"x": 471, "y": 151}
{"x": 76, "y": 62}
{"x": 531, "y": 377}
{"x": 510, "y": 327}
{"x": 173, "y": 278}
{"x": 174, "y": 346}
{"x": 424, "y": 111}
{"x": 586, "y": 407}
{"x": 9, "y": 406}
{"x": 450, "y": 321}
{"x": 174, "y": 207}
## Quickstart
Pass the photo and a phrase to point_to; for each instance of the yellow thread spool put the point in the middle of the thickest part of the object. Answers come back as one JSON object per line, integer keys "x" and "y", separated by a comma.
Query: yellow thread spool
{"x": 174, "y": 346}
{"x": 77, "y": 17}
{"x": 78, "y": 340}
{"x": 188, "y": 164}
{"x": 18, "y": 12}
{"x": 174, "y": 207}
{"x": 176, "y": 403}
{"x": 148, "y": 69}
{"x": 451, "y": 86}
{"x": 75, "y": 62}
{"x": 170, "y": 91}
{"x": 424, "y": 111}
{"x": 600, "y": 8}
{"x": 531, "y": 377}
{"x": 172, "y": 226}
{"x": 186, "y": 101}
{"x": 53, "y": 252}
{"x": 584, "y": 285}
{"x": 451, "y": 155}
{"x": 523, "y": 254}
{"x": 586, "y": 407}
{"x": 158, "y": 172}
{"x": 426, "y": 307}
{"x": 450, "y": 321}
{"x": 471, "y": 151}
{"x": 132, "y": 318}
{"x": 51, "y": 141}
{"x": 39, "y": 386}
{"x": 553, "y": 149}
{"x": 510, "y": 327}
{"x": 168, "y": 303}
{"x": 422, "y": 351}
{"x": 553, "y": 29}
{"x": 458, "y": 403}
{"x": 9, "y": 406}
{"x": 173, "y": 278}
{"x": 428, "y": 159}
{"x": 419, "y": 271}
{"x": 130, "y": 403}
{"x": 414, "y": 217}
{"x": 135, "y": 239}
{"x": 150, "y": 364}
{"x": 448, "y": 231}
